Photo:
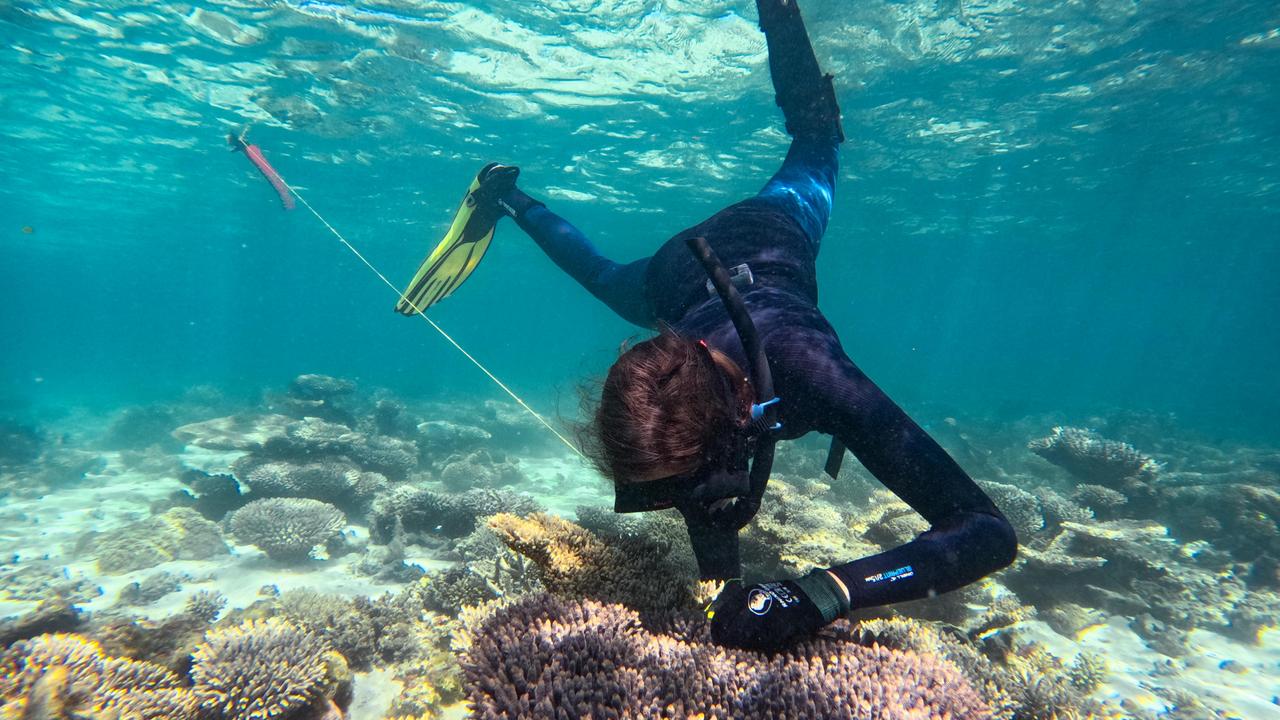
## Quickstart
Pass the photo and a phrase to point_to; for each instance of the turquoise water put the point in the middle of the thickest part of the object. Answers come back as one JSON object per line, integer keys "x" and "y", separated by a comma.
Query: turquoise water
{"x": 1043, "y": 207}
{"x": 1048, "y": 214}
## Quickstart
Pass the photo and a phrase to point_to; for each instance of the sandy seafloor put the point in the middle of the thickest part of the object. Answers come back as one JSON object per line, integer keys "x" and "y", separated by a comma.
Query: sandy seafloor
{"x": 1237, "y": 679}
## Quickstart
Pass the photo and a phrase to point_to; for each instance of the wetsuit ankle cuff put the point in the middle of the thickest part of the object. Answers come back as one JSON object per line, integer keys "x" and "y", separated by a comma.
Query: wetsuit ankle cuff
{"x": 824, "y": 593}
{"x": 516, "y": 203}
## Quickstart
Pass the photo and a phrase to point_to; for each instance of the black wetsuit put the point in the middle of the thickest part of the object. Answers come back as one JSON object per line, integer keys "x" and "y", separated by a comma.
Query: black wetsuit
{"x": 777, "y": 234}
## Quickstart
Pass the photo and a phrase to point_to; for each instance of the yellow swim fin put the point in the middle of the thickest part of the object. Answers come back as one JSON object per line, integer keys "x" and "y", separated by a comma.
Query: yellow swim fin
{"x": 452, "y": 261}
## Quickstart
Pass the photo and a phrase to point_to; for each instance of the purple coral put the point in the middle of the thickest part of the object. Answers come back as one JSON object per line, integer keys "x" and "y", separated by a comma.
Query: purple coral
{"x": 547, "y": 658}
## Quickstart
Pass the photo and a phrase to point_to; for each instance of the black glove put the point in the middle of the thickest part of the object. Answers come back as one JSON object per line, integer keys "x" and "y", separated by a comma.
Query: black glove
{"x": 773, "y": 615}
{"x": 498, "y": 190}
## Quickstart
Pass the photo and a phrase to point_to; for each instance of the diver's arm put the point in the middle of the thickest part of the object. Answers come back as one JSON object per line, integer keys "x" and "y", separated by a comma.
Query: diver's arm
{"x": 620, "y": 286}
{"x": 822, "y": 389}
{"x": 968, "y": 539}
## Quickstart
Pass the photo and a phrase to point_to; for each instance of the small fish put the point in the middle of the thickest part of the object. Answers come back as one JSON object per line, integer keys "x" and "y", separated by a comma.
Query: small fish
{"x": 27, "y": 229}
{"x": 439, "y": 528}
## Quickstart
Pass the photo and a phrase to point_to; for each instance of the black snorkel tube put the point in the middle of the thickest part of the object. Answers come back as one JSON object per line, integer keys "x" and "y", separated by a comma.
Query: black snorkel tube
{"x": 720, "y": 498}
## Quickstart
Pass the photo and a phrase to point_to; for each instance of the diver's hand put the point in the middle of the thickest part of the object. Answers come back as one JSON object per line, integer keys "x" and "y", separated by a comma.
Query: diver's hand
{"x": 767, "y": 616}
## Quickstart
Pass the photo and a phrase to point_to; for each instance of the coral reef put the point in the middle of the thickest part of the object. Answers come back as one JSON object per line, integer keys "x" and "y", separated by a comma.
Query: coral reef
{"x": 444, "y": 438}
{"x": 1058, "y": 509}
{"x": 573, "y": 562}
{"x": 546, "y": 658}
{"x": 63, "y": 676}
{"x": 318, "y": 396}
{"x": 179, "y": 534}
{"x": 1132, "y": 567}
{"x": 61, "y": 468}
{"x": 287, "y": 529}
{"x": 205, "y": 605}
{"x": 313, "y": 439}
{"x": 334, "y": 480}
{"x": 345, "y": 624}
{"x": 1019, "y": 506}
{"x": 320, "y": 387}
{"x": 151, "y": 589}
{"x": 1241, "y": 519}
{"x": 52, "y": 615}
{"x": 214, "y": 495}
{"x": 505, "y": 573}
{"x": 1105, "y": 503}
{"x": 306, "y": 440}
{"x": 265, "y": 669}
{"x": 37, "y": 580}
{"x": 421, "y": 511}
{"x": 479, "y": 469}
{"x": 1092, "y": 458}
{"x": 1018, "y": 681}
{"x": 799, "y": 528}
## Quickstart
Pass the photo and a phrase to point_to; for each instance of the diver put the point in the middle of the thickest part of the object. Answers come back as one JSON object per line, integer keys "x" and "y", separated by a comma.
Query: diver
{"x": 682, "y": 419}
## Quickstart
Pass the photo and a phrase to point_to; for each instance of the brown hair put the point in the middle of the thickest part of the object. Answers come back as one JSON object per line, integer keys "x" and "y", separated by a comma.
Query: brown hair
{"x": 663, "y": 409}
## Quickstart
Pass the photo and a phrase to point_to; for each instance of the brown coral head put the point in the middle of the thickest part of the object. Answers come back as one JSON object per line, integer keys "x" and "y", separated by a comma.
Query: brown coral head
{"x": 59, "y": 676}
{"x": 258, "y": 670}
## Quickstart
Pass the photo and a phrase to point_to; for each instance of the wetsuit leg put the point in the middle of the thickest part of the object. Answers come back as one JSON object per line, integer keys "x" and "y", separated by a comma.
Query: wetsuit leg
{"x": 620, "y": 286}
{"x": 804, "y": 186}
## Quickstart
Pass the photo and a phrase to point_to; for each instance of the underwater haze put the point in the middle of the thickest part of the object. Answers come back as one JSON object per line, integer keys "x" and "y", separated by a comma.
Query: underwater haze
{"x": 1042, "y": 207}
{"x": 229, "y": 467}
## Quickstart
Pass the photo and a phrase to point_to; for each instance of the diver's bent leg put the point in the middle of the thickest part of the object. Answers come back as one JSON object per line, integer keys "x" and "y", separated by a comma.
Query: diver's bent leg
{"x": 806, "y": 96}
{"x": 804, "y": 187}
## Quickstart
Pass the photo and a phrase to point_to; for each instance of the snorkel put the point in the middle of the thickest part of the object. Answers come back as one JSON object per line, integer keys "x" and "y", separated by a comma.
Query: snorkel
{"x": 720, "y": 498}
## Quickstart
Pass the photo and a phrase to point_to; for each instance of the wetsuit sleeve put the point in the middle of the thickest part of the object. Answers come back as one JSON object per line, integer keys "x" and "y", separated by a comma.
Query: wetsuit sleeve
{"x": 968, "y": 539}
{"x": 620, "y": 286}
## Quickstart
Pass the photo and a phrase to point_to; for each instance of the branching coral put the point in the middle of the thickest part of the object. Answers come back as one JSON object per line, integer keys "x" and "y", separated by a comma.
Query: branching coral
{"x": 1103, "y": 501}
{"x": 1092, "y": 458}
{"x": 70, "y": 675}
{"x": 575, "y": 563}
{"x": 1027, "y": 684}
{"x": 1019, "y": 506}
{"x": 206, "y": 605}
{"x": 260, "y": 669}
{"x": 804, "y": 530}
{"x": 505, "y": 572}
{"x": 342, "y": 622}
{"x": 546, "y": 658}
{"x": 287, "y": 529}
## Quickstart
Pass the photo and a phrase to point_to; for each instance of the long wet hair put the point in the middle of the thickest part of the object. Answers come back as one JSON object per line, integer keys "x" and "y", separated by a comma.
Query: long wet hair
{"x": 666, "y": 407}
